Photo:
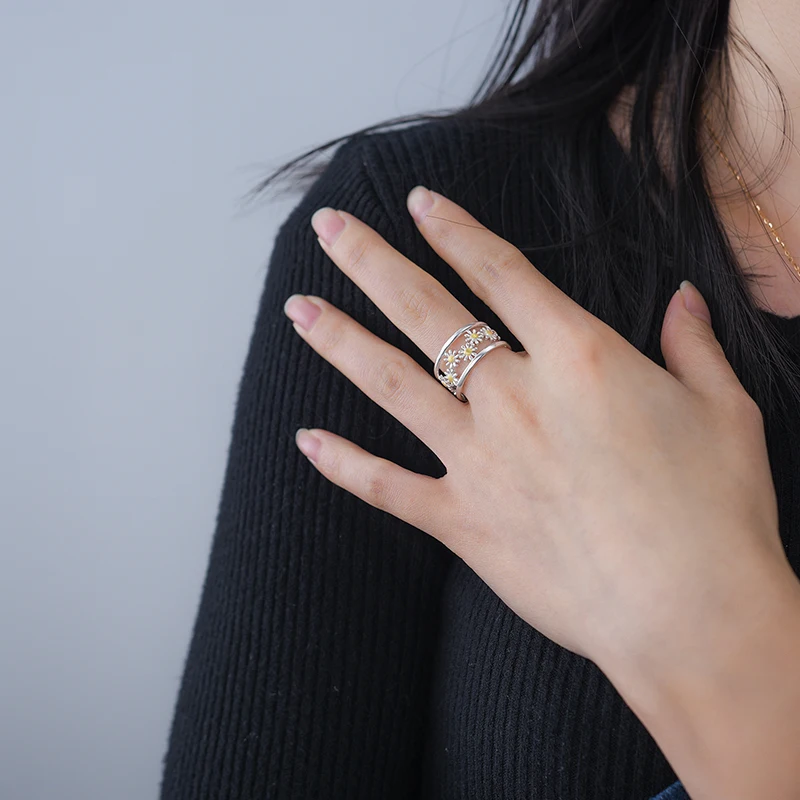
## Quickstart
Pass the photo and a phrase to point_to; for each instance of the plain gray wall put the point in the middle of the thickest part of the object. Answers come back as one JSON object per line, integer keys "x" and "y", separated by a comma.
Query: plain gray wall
{"x": 130, "y": 281}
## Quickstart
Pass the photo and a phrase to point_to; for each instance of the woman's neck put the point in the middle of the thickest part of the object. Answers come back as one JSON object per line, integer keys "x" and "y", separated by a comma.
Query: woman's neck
{"x": 753, "y": 142}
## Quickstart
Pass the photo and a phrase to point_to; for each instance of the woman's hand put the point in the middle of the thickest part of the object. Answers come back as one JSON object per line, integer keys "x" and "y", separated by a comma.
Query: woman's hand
{"x": 610, "y": 503}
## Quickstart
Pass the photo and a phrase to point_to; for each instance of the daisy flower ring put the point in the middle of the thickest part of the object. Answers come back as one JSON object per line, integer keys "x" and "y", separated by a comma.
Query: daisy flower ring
{"x": 453, "y": 363}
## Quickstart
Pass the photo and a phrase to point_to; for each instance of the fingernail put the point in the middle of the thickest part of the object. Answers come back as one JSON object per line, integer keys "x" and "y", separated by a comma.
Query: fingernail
{"x": 327, "y": 224}
{"x": 308, "y": 443}
{"x": 419, "y": 202}
{"x": 301, "y": 310}
{"x": 694, "y": 302}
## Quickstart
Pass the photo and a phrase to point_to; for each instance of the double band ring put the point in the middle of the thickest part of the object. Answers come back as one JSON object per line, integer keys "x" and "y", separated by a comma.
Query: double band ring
{"x": 478, "y": 340}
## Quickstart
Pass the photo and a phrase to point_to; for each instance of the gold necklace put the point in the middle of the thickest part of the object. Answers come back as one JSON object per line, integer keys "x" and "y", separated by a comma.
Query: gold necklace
{"x": 762, "y": 216}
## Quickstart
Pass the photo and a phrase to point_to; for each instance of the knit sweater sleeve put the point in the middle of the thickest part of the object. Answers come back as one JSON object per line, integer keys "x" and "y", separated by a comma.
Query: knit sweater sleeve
{"x": 311, "y": 652}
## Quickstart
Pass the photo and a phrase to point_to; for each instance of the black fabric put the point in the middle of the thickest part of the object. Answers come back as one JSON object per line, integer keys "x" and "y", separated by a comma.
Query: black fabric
{"x": 337, "y": 651}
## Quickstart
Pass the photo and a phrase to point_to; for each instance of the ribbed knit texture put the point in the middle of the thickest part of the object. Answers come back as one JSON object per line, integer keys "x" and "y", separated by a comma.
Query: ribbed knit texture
{"x": 339, "y": 652}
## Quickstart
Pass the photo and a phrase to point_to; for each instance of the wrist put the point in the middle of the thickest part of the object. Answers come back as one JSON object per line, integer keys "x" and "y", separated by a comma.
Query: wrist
{"x": 722, "y": 698}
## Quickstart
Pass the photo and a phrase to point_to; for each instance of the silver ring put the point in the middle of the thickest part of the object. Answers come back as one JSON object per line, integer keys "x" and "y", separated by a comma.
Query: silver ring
{"x": 474, "y": 333}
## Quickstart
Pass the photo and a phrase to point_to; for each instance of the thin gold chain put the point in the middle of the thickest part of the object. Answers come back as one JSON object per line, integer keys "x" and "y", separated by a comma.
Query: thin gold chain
{"x": 756, "y": 206}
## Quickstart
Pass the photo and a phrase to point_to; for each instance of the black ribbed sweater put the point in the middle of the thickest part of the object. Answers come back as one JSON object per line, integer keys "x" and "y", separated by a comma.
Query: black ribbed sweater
{"x": 339, "y": 652}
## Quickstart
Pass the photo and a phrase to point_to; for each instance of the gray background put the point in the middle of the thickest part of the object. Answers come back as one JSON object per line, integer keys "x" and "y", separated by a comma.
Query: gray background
{"x": 130, "y": 281}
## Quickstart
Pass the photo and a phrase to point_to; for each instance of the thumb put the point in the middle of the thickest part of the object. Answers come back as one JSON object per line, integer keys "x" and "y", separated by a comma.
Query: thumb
{"x": 692, "y": 352}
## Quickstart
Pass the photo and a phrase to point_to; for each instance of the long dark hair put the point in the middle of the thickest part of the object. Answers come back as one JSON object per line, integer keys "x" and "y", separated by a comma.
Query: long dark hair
{"x": 569, "y": 63}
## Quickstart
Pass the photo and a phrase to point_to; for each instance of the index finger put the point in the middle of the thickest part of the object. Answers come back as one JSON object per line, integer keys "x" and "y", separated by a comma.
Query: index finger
{"x": 495, "y": 270}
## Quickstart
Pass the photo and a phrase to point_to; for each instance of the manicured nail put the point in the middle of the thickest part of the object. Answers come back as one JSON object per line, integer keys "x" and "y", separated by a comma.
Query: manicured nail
{"x": 301, "y": 310}
{"x": 419, "y": 202}
{"x": 694, "y": 302}
{"x": 308, "y": 443}
{"x": 327, "y": 224}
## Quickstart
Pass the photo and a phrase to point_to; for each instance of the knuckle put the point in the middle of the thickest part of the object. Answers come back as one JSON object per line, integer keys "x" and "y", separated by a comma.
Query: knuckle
{"x": 377, "y": 488}
{"x": 328, "y": 335}
{"x": 390, "y": 379}
{"x": 329, "y": 462}
{"x": 415, "y": 307}
{"x": 358, "y": 255}
{"x": 495, "y": 267}
{"x": 698, "y": 341}
{"x": 446, "y": 234}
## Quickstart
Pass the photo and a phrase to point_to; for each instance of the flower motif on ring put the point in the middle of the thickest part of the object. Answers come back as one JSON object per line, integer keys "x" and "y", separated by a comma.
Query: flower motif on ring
{"x": 450, "y": 359}
{"x": 473, "y": 336}
{"x": 468, "y": 351}
{"x": 449, "y": 378}
{"x": 489, "y": 333}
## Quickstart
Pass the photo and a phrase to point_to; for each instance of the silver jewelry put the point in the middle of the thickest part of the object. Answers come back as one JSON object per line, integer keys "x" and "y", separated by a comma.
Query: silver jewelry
{"x": 470, "y": 352}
